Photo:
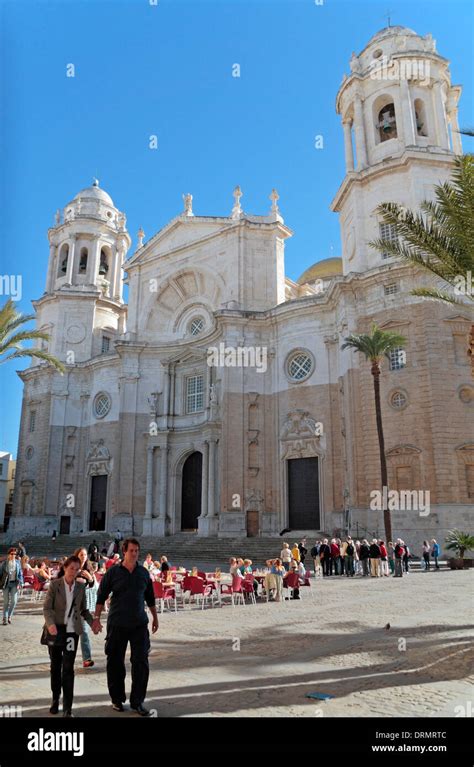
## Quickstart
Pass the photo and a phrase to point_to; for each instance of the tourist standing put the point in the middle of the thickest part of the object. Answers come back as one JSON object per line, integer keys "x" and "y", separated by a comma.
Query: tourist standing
{"x": 325, "y": 557}
{"x": 279, "y": 571}
{"x": 374, "y": 553}
{"x": 21, "y": 551}
{"x": 436, "y": 551}
{"x": 295, "y": 552}
{"x": 285, "y": 555}
{"x": 406, "y": 557}
{"x": 127, "y": 622}
{"x": 391, "y": 556}
{"x": 383, "y": 558}
{"x": 335, "y": 557}
{"x": 364, "y": 557}
{"x": 302, "y": 549}
{"x": 349, "y": 554}
{"x": 316, "y": 558}
{"x": 11, "y": 580}
{"x": 425, "y": 550}
{"x": 399, "y": 552}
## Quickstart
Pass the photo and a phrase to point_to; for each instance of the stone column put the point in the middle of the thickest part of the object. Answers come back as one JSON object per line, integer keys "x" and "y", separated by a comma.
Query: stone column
{"x": 149, "y": 483}
{"x": 408, "y": 115}
{"x": 455, "y": 134}
{"x": 359, "y": 130}
{"x": 440, "y": 113}
{"x": 113, "y": 271}
{"x": 349, "y": 154}
{"x": 163, "y": 483}
{"x": 94, "y": 261}
{"x": 172, "y": 388}
{"x": 70, "y": 261}
{"x": 205, "y": 479}
{"x": 52, "y": 266}
{"x": 117, "y": 293}
{"x": 212, "y": 478}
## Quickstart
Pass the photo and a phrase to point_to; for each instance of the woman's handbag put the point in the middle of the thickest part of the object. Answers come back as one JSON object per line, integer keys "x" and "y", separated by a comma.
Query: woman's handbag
{"x": 59, "y": 639}
{"x": 4, "y": 578}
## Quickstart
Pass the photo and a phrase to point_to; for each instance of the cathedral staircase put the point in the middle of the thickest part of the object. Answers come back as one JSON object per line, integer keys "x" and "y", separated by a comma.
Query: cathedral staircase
{"x": 182, "y": 548}
{"x": 185, "y": 549}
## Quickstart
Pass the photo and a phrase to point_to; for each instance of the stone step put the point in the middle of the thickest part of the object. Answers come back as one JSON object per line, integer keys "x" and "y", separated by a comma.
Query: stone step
{"x": 182, "y": 548}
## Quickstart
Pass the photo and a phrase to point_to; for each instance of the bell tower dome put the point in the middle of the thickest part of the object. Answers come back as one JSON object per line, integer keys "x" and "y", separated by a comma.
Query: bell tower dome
{"x": 87, "y": 245}
{"x": 399, "y": 116}
{"x": 82, "y": 307}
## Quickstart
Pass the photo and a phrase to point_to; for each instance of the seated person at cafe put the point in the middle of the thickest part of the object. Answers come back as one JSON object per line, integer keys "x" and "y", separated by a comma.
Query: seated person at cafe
{"x": 293, "y": 581}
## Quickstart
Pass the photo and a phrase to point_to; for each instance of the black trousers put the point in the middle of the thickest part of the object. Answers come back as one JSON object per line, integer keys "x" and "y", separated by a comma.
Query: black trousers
{"x": 327, "y": 570}
{"x": 116, "y": 643}
{"x": 62, "y": 670}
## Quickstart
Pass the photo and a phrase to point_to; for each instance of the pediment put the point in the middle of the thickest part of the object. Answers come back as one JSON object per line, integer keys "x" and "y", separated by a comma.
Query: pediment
{"x": 181, "y": 233}
{"x": 458, "y": 318}
{"x": 389, "y": 324}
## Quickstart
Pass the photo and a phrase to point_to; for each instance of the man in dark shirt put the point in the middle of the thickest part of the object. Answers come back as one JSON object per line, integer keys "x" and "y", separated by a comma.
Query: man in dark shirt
{"x": 131, "y": 586}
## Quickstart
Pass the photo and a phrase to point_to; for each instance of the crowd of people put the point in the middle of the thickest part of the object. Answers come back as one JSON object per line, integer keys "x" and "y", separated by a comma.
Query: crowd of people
{"x": 80, "y": 586}
{"x": 368, "y": 558}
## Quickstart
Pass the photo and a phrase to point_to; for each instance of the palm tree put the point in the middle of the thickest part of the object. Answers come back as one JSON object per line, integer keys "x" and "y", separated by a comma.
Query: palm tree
{"x": 11, "y": 337}
{"x": 375, "y": 346}
{"x": 459, "y": 542}
{"x": 440, "y": 237}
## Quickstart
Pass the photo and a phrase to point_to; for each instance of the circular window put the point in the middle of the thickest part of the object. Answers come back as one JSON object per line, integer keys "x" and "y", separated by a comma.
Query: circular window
{"x": 30, "y": 451}
{"x": 377, "y": 54}
{"x": 300, "y": 365}
{"x": 196, "y": 326}
{"x": 466, "y": 394}
{"x": 398, "y": 400}
{"x": 102, "y": 405}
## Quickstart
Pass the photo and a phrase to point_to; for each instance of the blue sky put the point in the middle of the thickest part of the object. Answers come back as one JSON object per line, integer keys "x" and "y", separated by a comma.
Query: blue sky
{"x": 167, "y": 70}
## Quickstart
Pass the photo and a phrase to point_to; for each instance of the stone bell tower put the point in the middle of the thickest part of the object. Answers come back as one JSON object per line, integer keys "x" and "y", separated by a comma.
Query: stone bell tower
{"x": 82, "y": 308}
{"x": 399, "y": 115}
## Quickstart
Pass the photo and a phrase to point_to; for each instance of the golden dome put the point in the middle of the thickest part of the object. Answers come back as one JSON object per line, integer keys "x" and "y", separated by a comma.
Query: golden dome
{"x": 328, "y": 267}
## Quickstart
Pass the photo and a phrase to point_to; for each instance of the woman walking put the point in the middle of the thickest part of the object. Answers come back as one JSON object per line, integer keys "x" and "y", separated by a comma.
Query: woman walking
{"x": 87, "y": 577}
{"x": 64, "y": 608}
{"x": 11, "y": 580}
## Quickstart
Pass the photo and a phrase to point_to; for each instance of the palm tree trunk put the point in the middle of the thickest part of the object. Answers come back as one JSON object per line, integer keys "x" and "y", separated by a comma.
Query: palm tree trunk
{"x": 470, "y": 351}
{"x": 383, "y": 461}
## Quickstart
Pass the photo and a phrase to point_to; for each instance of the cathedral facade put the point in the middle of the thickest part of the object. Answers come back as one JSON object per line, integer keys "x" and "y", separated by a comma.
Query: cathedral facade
{"x": 218, "y": 399}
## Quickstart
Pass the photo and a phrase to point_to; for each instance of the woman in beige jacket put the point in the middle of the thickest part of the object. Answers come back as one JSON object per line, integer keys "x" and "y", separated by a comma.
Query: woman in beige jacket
{"x": 64, "y": 605}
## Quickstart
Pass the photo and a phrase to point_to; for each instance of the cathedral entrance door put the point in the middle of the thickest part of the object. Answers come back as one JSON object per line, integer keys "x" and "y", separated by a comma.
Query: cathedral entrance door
{"x": 98, "y": 502}
{"x": 252, "y": 524}
{"x": 191, "y": 492}
{"x": 303, "y": 494}
{"x": 64, "y": 525}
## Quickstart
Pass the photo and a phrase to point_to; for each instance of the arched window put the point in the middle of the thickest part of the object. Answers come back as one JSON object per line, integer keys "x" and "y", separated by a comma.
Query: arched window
{"x": 63, "y": 259}
{"x": 420, "y": 118}
{"x": 387, "y": 122}
{"x": 83, "y": 260}
{"x": 104, "y": 262}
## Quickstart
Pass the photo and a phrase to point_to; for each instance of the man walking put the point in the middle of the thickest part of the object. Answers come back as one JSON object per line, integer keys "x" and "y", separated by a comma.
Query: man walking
{"x": 435, "y": 552}
{"x": 131, "y": 586}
